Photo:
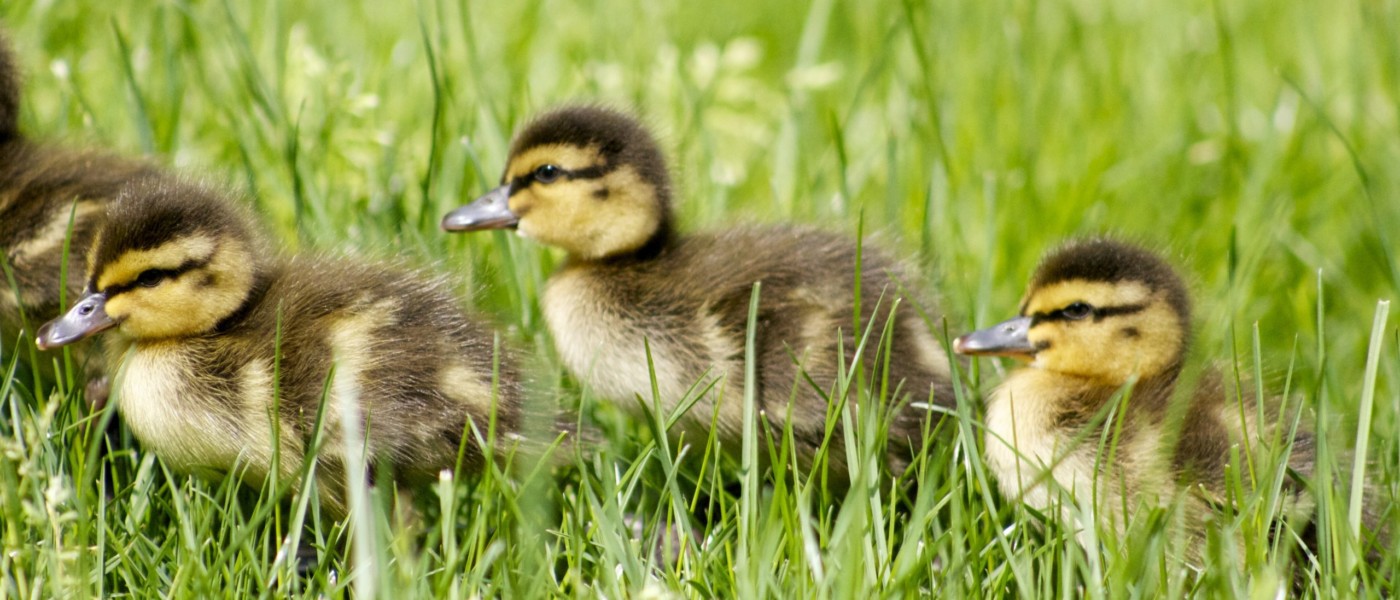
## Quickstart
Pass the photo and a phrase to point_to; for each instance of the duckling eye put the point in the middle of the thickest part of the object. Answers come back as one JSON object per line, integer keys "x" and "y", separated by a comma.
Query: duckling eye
{"x": 1077, "y": 311}
{"x": 150, "y": 278}
{"x": 548, "y": 173}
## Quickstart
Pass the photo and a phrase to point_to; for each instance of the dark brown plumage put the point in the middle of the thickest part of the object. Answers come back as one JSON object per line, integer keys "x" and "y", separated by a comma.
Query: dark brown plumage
{"x": 197, "y": 304}
{"x": 9, "y": 91}
{"x": 593, "y": 182}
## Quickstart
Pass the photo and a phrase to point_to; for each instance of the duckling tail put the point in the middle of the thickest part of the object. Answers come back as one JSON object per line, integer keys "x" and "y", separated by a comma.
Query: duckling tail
{"x": 9, "y": 91}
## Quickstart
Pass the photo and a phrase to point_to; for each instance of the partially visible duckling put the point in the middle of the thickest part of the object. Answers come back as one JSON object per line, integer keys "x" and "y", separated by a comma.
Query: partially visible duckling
{"x": 41, "y": 188}
{"x": 593, "y": 183}
{"x": 197, "y": 306}
{"x": 9, "y": 92}
{"x": 1103, "y": 318}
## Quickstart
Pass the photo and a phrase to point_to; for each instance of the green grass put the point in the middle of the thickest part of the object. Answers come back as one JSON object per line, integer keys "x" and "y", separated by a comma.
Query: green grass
{"x": 1254, "y": 140}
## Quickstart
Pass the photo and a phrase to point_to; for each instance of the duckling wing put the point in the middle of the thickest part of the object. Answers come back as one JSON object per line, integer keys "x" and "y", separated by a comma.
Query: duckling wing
{"x": 422, "y": 372}
{"x": 808, "y": 330}
{"x": 1224, "y": 424}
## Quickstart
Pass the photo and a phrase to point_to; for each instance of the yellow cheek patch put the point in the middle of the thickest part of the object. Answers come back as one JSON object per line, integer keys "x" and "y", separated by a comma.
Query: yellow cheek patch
{"x": 570, "y": 158}
{"x": 1114, "y": 349}
{"x": 120, "y": 306}
{"x": 1096, "y": 293}
{"x": 631, "y": 211}
{"x": 189, "y": 304}
{"x": 174, "y": 308}
{"x": 1045, "y": 332}
{"x": 571, "y": 216}
{"x": 522, "y": 202}
{"x": 130, "y": 265}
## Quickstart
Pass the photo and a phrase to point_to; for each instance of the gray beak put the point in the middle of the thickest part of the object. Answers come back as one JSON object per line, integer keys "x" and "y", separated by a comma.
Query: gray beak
{"x": 87, "y": 317}
{"x": 1007, "y": 338}
{"x": 491, "y": 211}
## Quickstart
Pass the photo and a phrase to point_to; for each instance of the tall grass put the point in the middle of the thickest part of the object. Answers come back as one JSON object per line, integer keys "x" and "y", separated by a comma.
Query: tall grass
{"x": 1253, "y": 140}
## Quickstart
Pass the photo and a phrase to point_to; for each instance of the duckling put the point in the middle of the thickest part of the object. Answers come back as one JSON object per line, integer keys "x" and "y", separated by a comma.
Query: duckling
{"x": 1103, "y": 318}
{"x": 592, "y": 182}
{"x": 199, "y": 308}
{"x": 41, "y": 189}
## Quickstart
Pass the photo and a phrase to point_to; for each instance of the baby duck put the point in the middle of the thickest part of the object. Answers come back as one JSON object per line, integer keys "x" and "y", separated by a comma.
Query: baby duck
{"x": 41, "y": 188}
{"x": 592, "y": 182}
{"x": 1103, "y": 318}
{"x": 199, "y": 309}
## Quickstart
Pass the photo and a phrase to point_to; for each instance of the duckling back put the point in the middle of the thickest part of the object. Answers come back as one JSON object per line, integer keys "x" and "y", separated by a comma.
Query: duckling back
{"x": 428, "y": 378}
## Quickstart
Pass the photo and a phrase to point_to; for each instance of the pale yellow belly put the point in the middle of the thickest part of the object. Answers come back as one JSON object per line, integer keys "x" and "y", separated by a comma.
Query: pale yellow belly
{"x": 191, "y": 432}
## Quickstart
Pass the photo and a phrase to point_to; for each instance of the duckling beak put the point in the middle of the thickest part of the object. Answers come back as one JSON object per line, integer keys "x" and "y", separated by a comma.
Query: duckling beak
{"x": 86, "y": 318}
{"x": 1007, "y": 338}
{"x": 491, "y": 211}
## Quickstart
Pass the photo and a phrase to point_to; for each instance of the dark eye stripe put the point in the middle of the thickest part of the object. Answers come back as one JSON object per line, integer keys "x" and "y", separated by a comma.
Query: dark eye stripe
{"x": 592, "y": 172}
{"x": 184, "y": 267}
{"x": 1113, "y": 311}
{"x": 523, "y": 181}
{"x": 1100, "y": 313}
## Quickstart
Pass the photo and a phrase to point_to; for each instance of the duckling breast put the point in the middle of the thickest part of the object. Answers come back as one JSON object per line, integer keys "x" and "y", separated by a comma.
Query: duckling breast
{"x": 1022, "y": 441}
{"x": 173, "y": 398}
{"x": 617, "y": 347}
{"x": 1041, "y": 441}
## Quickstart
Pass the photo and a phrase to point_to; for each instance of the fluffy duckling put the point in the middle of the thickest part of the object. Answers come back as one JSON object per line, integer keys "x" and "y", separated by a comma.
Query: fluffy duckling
{"x": 41, "y": 187}
{"x": 592, "y": 182}
{"x": 195, "y": 303}
{"x": 1103, "y": 318}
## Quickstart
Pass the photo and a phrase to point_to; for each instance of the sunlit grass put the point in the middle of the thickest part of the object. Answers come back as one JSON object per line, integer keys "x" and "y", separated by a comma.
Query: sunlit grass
{"x": 1254, "y": 141}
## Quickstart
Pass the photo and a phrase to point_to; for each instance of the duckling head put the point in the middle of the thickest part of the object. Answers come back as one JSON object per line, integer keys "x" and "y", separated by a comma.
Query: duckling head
{"x": 171, "y": 260}
{"x": 1098, "y": 309}
{"x": 586, "y": 179}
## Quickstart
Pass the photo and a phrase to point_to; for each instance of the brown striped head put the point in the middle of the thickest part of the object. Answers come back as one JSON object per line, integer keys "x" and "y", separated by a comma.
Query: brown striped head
{"x": 588, "y": 180}
{"x": 172, "y": 259}
{"x": 1099, "y": 309}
